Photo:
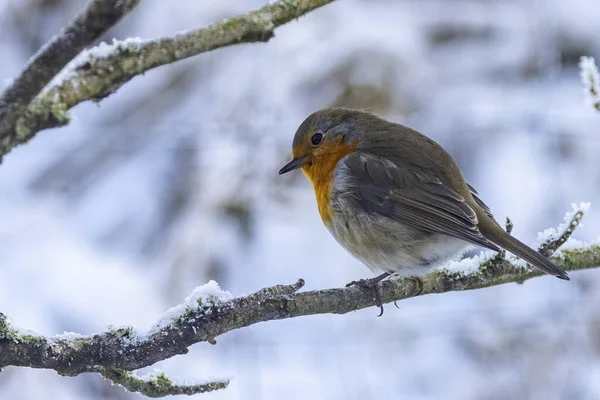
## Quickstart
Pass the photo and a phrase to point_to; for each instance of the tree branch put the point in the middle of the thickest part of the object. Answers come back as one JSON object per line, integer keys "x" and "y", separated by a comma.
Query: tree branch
{"x": 590, "y": 78}
{"x": 95, "y": 76}
{"x": 210, "y": 312}
{"x": 552, "y": 238}
{"x": 88, "y": 26}
{"x": 157, "y": 385}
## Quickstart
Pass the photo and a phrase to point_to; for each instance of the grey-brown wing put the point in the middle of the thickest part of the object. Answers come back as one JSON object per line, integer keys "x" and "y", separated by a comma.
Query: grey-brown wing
{"x": 411, "y": 197}
{"x": 487, "y": 210}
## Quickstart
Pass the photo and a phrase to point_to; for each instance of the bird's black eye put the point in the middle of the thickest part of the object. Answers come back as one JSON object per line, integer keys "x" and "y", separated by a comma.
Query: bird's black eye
{"x": 316, "y": 139}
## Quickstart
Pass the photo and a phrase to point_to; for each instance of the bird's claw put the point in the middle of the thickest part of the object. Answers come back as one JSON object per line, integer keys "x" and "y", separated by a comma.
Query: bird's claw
{"x": 372, "y": 285}
{"x": 419, "y": 283}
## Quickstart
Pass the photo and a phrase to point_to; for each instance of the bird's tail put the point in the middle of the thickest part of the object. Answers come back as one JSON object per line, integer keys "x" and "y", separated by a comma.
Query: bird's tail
{"x": 520, "y": 249}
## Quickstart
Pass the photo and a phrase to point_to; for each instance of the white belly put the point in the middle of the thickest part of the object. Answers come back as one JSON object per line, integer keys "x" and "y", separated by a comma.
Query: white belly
{"x": 389, "y": 246}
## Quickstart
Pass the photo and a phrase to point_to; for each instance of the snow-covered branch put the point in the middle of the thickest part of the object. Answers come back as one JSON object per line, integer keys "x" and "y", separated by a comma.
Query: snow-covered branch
{"x": 590, "y": 78}
{"x": 210, "y": 312}
{"x": 100, "y": 71}
{"x": 88, "y": 26}
{"x": 157, "y": 384}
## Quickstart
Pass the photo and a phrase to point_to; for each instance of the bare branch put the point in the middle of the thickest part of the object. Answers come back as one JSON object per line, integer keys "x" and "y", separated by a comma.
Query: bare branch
{"x": 204, "y": 317}
{"x": 97, "y": 77}
{"x": 88, "y": 26}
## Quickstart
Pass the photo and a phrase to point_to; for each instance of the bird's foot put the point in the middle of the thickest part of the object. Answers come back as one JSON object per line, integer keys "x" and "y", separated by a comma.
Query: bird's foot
{"x": 418, "y": 281}
{"x": 419, "y": 286}
{"x": 372, "y": 284}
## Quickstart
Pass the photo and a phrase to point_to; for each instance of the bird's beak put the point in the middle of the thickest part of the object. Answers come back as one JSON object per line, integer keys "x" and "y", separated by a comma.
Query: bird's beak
{"x": 292, "y": 165}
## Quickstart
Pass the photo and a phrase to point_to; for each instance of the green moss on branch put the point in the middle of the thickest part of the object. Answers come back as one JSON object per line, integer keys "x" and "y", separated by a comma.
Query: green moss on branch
{"x": 99, "y": 77}
{"x": 158, "y": 385}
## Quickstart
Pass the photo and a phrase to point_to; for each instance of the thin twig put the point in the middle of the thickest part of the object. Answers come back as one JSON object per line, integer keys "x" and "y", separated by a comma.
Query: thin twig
{"x": 158, "y": 385}
{"x": 551, "y": 245}
{"x": 590, "y": 78}
{"x": 509, "y": 226}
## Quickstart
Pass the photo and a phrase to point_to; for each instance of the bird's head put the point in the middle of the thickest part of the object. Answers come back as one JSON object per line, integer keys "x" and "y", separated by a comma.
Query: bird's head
{"x": 325, "y": 137}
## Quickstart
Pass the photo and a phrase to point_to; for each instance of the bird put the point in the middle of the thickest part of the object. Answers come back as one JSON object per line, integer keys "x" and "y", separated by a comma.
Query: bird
{"x": 394, "y": 198}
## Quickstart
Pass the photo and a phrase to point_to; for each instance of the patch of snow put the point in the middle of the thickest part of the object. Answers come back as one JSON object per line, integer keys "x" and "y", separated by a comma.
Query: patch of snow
{"x": 553, "y": 233}
{"x": 574, "y": 244}
{"x": 25, "y": 332}
{"x": 469, "y": 265}
{"x": 102, "y": 50}
{"x": 69, "y": 336}
{"x": 519, "y": 262}
{"x": 82, "y": 267}
{"x": 150, "y": 376}
{"x": 590, "y": 78}
{"x": 208, "y": 294}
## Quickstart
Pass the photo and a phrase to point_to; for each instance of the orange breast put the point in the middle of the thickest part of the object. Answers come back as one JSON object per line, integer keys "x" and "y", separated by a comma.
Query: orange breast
{"x": 320, "y": 173}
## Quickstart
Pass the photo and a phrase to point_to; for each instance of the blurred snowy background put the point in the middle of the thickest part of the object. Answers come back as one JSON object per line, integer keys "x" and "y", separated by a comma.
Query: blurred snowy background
{"x": 173, "y": 181}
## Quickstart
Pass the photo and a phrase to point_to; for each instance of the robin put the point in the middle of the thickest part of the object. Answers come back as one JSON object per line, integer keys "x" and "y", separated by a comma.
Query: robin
{"x": 394, "y": 198}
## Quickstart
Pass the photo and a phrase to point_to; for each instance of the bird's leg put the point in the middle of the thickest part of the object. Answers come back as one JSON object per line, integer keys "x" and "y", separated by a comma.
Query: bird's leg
{"x": 372, "y": 285}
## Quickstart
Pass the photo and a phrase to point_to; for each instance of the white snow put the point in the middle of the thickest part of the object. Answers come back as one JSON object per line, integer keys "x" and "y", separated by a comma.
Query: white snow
{"x": 209, "y": 294}
{"x": 484, "y": 79}
{"x": 156, "y": 372}
{"x": 553, "y": 233}
{"x": 575, "y": 244}
{"x": 69, "y": 336}
{"x": 469, "y": 265}
{"x": 102, "y": 50}
{"x": 590, "y": 78}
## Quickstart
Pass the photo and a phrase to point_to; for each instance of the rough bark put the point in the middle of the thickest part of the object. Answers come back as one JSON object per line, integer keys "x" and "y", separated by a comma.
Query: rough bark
{"x": 97, "y": 77}
{"x": 115, "y": 352}
{"x": 88, "y": 26}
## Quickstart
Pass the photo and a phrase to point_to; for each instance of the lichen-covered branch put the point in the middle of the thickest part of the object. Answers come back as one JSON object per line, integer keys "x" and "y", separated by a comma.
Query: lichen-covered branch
{"x": 158, "y": 385}
{"x": 210, "y": 312}
{"x": 552, "y": 239}
{"x": 97, "y": 75}
{"x": 88, "y": 26}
